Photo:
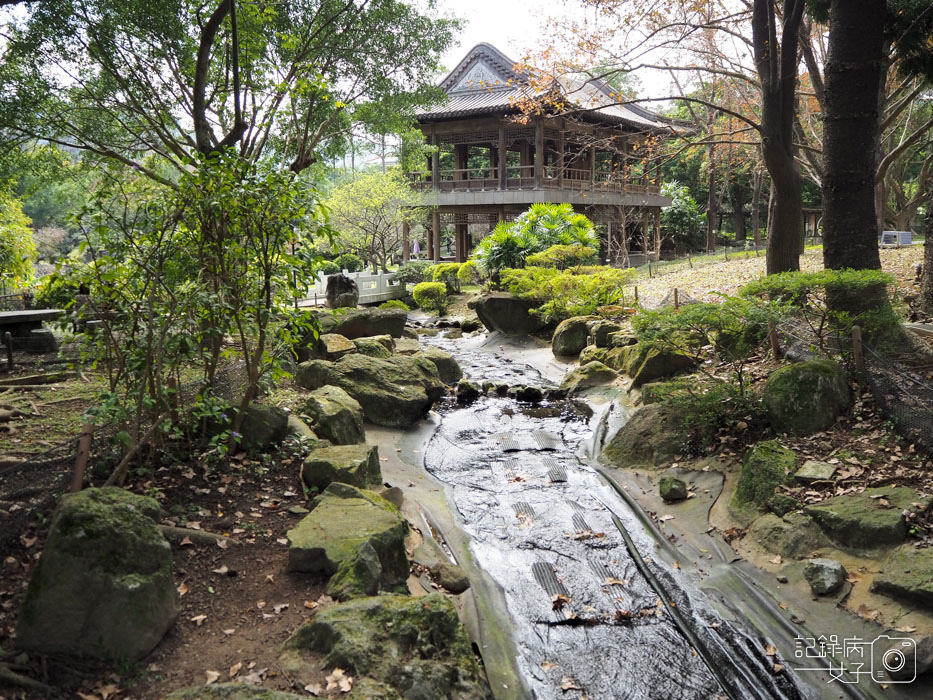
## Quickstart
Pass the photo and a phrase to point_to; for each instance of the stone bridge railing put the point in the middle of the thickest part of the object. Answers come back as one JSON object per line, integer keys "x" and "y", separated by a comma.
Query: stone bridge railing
{"x": 373, "y": 288}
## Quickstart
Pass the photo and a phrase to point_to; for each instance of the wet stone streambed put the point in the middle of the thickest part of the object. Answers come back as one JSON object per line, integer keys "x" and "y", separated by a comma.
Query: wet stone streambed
{"x": 592, "y": 614}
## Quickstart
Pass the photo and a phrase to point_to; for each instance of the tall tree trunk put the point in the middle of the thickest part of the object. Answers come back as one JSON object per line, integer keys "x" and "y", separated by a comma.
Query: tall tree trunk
{"x": 776, "y": 64}
{"x": 926, "y": 284}
{"x": 712, "y": 208}
{"x": 854, "y": 70}
{"x": 756, "y": 208}
{"x": 738, "y": 209}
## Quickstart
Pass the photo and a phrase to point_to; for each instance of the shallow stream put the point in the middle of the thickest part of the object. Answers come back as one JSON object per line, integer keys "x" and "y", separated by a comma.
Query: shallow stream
{"x": 593, "y": 614}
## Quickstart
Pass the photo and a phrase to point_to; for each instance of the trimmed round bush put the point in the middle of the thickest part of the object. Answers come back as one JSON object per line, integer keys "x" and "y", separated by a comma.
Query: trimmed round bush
{"x": 394, "y": 304}
{"x": 330, "y": 268}
{"x": 414, "y": 271}
{"x": 350, "y": 262}
{"x": 431, "y": 296}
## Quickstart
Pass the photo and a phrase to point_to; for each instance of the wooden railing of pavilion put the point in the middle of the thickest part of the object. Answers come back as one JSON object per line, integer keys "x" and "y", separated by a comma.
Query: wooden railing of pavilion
{"x": 523, "y": 178}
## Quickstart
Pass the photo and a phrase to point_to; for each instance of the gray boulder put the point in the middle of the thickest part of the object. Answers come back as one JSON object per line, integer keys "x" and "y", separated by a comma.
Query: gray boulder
{"x": 766, "y": 467}
{"x": 450, "y": 576}
{"x": 263, "y": 426}
{"x": 353, "y": 536}
{"x": 467, "y": 391}
{"x": 793, "y": 537}
{"x": 570, "y": 336}
{"x": 357, "y": 465}
{"x": 103, "y": 588}
{"x": 806, "y": 397}
{"x": 506, "y": 313}
{"x": 447, "y": 366}
{"x": 341, "y": 292}
{"x": 394, "y": 392}
{"x": 333, "y": 346}
{"x": 337, "y": 416}
{"x": 825, "y": 576}
{"x": 375, "y": 346}
{"x": 417, "y": 646}
{"x": 650, "y": 438}
{"x": 601, "y": 332}
{"x": 470, "y": 324}
{"x": 41, "y": 340}
{"x": 655, "y": 364}
{"x": 363, "y": 323}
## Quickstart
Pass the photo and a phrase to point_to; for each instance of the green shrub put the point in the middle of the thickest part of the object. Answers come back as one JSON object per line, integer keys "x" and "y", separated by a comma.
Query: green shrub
{"x": 414, "y": 272}
{"x": 469, "y": 273}
{"x": 56, "y": 291}
{"x": 329, "y": 267}
{"x": 564, "y": 294}
{"x": 350, "y": 262}
{"x": 833, "y": 301}
{"x": 563, "y": 257}
{"x": 705, "y": 406}
{"x": 504, "y": 248}
{"x": 394, "y": 304}
{"x": 431, "y": 296}
{"x": 448, "y": 273}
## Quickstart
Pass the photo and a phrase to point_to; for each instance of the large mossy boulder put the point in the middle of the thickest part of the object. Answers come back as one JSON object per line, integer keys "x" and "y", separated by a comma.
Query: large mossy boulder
{"x": 907, "y": 575}
{"x": 103, "y": 588}
{"x": 447, "y": 366}
{"x": 571, "y": 335}
{"x": 651, "y": 438}
{"x": 353, "y": 536}
{"x": 333, "y": 346}
{"x": 362, "y": 323}
{"x": 873, "y": 518}
{"x": 263, "y": 426}
{"x": 357, "y": 465}
{"x": 648, "y": 364}
{"x": 507, "y": 314}
{"x": 601, "y": 332}
{"x": 393, "y": 392}
{"x": 793, "y": 536}
{"x": 767, "y": 466}
{"x": 337, "y": 416}
{"x": 417, "y": 646}
{"x": 806, "y": 397}
{"x": 587, "y": 376}
{"x": 231, "y": 691}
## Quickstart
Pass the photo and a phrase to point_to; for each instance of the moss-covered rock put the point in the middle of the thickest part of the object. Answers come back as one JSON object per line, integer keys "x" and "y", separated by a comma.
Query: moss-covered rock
{"x": 415, "y": 645}
{"x": 767, "y": 466}
{"x": 354, "y": 536}
{"x": 591, "y": 353}
{"x": 368, "y": 689}
{"x": 587, "y": 376}
{"x": 907, "y": 575}
{"x": 394, "y": 392}
{"x": 450, "y": 576}
{"x": 447, "y": 366}
{"x": 672, "y": 489}
{"x": 653, "y": 363}
{"x": 507, "y": 313}
{"x": 231, "y": 691}
{"x": 337, "y": 416}
{"x": 103, "y": 588}
{"x": 793, "y": 536}
{"x": 650, "y": 438}
{"x": 873, "y": 518}
{"x": 363, "y": 323}
{"x": 299, "y": 429}
{"x": 806, "y": 397}
{"x": 333, "y": 346}
{"x": 467, "y": 391}
{"x": 621, "y": 339}
{"x": 783, "y": 503}
{"x": 375, "y": 347}
{"x": 601, "y": 332}
{"x": 357, "y": 465}
{"x": 263, "y": 426}
{"x": 570, "y": 336}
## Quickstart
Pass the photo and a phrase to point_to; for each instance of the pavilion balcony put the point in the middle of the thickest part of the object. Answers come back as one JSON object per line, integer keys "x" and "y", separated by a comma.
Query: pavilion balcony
{"x": 523, "y": 178}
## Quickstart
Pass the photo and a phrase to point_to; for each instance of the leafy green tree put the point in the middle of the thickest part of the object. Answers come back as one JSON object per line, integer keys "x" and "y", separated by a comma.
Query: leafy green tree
{"x": 369, "y": 211}
{"x": 682, "y": 221}
{"x": 17, "y": 248}
{"x": 128, "y": 80}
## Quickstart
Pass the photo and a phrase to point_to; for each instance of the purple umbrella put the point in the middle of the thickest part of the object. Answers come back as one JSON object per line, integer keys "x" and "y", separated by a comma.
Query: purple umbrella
{"x": 416, "y": 249}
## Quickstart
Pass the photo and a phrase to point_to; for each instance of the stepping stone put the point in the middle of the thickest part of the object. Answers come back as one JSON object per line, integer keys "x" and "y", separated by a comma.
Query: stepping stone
{"x": 813, "y": 470}
{"x": 555, "y": 470}
{"x": 544, "y": 574}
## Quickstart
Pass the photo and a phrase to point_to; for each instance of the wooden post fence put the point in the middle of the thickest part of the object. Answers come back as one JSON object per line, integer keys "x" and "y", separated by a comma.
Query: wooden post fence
{"x": 857, "y": 350}
{"x": 775, "y": 343}
{"x": 84, "y": 451}
{"x": 8, "y": 341}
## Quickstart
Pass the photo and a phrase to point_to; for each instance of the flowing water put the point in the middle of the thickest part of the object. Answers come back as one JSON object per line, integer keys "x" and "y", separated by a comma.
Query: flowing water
{"x": 593, "y": 615}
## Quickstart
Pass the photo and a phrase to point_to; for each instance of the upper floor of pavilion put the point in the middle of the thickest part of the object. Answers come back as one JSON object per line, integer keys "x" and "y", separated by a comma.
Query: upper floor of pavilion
{"x": 505, "y": 138}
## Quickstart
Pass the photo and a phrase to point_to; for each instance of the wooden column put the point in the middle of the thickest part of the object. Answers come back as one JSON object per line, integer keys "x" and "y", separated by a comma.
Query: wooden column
{"x": 436, "y": 233}
{"x": 503, "y": 158}
{"x": 460, "y": 242}
{"x": 539, "y": 154}
{"x": 649, "y": 242}
{"x": 592, "y": 165}
{"x": 657, "y": 229}
{"x": 561, "y": 147}
{"x": 501, "y": 214}
{"x": 461, "y": 159}
{"x": 406, "y": 248}
{"x": 435, "y": 160}
{"x": 429, "y": 241}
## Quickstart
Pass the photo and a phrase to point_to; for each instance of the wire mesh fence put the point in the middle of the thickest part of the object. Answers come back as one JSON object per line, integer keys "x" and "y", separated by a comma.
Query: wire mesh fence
{"x": 32, "y": 486}
{"x": 904, "y": 395}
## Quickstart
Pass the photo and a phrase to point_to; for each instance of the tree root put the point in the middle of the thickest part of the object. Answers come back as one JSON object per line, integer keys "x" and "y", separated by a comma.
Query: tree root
{"x": 10, "y": 676}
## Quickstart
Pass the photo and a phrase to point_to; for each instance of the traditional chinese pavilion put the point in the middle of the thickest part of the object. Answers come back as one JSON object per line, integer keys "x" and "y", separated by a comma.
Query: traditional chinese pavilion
{"x": 505, "y": 141}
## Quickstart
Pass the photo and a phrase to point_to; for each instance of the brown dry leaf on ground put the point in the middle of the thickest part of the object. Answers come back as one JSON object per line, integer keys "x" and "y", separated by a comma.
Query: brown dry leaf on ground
{"x": 568, "y": 683}
{"x": 339, "y": 680}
